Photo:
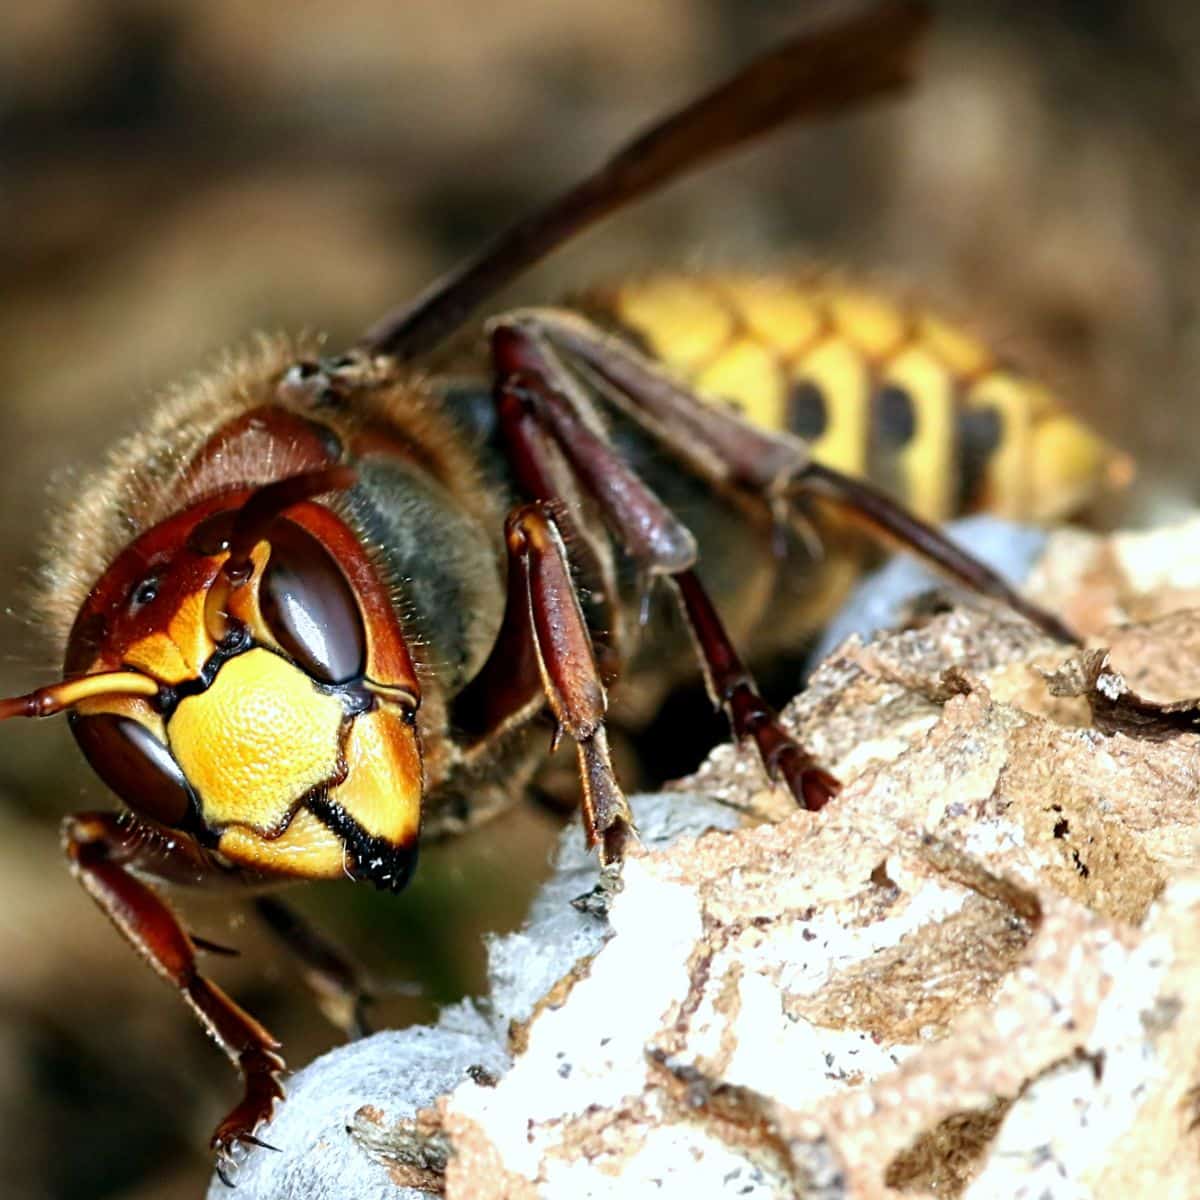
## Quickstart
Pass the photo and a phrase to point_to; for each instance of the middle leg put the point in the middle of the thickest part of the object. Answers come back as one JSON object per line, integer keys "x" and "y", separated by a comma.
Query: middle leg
{"x": 338, "y": 982}
{"x": 732, "y": 688}
{"x": 545, "y": 415}
{"x": 740, "y": 458}
{"x": 543, "y": 654}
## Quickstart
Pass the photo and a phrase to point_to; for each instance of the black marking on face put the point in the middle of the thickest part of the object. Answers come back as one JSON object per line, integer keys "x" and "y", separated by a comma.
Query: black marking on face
{"x": 980, "y": 432}
{"x": 171, "y": 695}
{"x": 895, "y": 417}
{"x": 807, "y": 411}
{"x": 370, "y": 858}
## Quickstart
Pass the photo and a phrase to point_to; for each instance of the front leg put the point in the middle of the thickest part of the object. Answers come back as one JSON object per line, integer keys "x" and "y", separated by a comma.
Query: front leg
{"x": 544, "y": 655}
{"x": 104, "y": 851}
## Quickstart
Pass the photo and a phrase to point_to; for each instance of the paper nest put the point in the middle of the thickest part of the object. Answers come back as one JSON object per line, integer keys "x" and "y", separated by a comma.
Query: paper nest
{"x": 976, "y": 973}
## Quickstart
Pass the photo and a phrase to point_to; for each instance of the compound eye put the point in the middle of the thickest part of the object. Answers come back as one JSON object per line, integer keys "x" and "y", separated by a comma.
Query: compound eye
{"x": 136, "y": 765}
{"x": 310, "y": 607}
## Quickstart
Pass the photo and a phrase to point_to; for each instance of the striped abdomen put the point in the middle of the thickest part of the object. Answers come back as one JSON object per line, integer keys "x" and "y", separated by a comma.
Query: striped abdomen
{"x": 889, "y": 391}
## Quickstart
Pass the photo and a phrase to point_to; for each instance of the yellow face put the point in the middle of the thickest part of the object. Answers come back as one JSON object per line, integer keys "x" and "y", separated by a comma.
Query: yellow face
{"x": 260, "y": 734}
{"x": 265, "y": 734}
{"x": 268, "y": 736}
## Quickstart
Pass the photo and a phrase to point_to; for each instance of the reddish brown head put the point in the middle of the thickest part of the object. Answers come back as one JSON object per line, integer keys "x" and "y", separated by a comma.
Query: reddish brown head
{"x": 238, "y": 673}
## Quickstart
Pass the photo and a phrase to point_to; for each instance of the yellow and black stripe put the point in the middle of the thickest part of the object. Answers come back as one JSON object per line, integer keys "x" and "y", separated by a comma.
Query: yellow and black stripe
{"x": 881, "y": 389}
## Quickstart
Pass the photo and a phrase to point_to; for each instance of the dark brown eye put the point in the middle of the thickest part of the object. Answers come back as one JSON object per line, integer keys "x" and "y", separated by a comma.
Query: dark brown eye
{"x": 312, "y": 612}
{"x": 136, "y": 765}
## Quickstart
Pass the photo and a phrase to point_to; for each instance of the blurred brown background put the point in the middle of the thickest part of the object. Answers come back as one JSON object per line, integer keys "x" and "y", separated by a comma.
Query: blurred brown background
{"x": 176, "y": 175}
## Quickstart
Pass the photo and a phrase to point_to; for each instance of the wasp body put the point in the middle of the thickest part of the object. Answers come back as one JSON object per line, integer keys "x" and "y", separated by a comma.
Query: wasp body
{"x": 889, "y": 389}
{"x": 323, "y": 603}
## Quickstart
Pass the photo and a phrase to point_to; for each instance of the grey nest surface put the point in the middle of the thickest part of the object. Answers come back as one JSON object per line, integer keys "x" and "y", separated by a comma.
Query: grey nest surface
{"x": 973, "y": 974}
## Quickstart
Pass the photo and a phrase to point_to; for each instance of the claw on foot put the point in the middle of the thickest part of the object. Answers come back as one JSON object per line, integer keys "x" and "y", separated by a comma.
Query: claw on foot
{"x": 598, "y": 901}
{"x": 812, "y": 786}
{"x": 261, "y": 1070}
{"x": 227, "y": 1162}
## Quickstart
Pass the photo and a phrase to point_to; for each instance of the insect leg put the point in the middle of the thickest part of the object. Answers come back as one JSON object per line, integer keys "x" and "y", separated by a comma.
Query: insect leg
{"x": 544, "y": 653}
{"x": 104, "y": 849}
{"x": 735, "y": 455}
{"x": 876, "y": 512}
{"x": 539, "y": 402}
{"x": 732, "y": 688}
{"x": 570, "y": 679}
{"x": 336, "y": 980}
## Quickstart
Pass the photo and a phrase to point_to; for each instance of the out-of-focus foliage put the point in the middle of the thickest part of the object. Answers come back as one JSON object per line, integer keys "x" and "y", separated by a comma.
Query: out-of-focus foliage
{"x": 175, "y": 175}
